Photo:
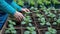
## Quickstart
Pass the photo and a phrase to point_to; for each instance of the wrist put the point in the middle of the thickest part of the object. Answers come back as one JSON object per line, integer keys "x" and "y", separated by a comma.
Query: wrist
{"x": 15, "y": 13}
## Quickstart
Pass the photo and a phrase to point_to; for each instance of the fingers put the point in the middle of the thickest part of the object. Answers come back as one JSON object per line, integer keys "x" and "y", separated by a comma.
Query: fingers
{"x": 27, "y": 10}
{"x": 18, "y": 16}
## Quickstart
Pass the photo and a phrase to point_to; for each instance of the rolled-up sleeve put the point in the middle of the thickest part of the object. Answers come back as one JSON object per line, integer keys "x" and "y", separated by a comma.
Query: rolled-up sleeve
{"x": 7, "y": 7}
{"x": 17, "y": 7}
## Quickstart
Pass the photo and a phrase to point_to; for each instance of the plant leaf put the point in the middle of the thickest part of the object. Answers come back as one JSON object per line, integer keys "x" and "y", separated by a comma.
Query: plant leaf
{"x": 26, "y": 32}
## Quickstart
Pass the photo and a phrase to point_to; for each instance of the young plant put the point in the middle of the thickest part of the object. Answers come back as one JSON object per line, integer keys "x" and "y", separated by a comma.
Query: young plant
{"x": 40, "y": 2}
{"x": 43, "y": 21}
{"x": 19, "y": 2}
{"x": 58, "y": 22}
{"x": 27, "y": 19}
{"x": 11, "y": 28}
{"x": 47, "y": 2}
{"x": 51, "y": 15}
{"x": 55, "y": 2}
{"x": 31, "y": 30}
{"x": 32, "y": 2}
{"x": 51, "y": 31}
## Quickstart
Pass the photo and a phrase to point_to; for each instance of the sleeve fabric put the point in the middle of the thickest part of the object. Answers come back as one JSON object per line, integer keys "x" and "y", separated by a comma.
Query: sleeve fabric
{"x": 7, "y": 7}
{"x": 13, "y": 4}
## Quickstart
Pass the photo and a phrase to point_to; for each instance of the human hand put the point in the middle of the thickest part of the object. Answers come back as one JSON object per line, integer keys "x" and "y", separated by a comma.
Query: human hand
{"x": 25, "y": 10}
{"x": 19, "y": 16}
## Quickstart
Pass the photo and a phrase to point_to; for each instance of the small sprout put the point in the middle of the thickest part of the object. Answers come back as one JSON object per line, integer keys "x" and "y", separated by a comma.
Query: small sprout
{"x": 31, "y": 30}
{"x": 48, "y": 23}
{"x": 30, "y": 24}
{"x": 47, "y": 32}
{"x": 51, "y": 15}
{"x": 32, "y": 8}
{"x": 11, "y": 28}
{"x": 26, "y": 32}
{"x": 34, "y": 32}
{"x": 43, "y": 20}
{"x": 58, "y": 21}
{"x": 51, "y": 30}
{"x": 42, "y": 24}
{"x": 54, "y": 23}
{"x": 23, "y": 22}
{"x": 7, "y": 31}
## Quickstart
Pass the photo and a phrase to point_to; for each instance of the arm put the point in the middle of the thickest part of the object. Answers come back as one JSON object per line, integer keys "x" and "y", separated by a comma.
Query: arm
{"x": 13, "y": 4}
{"x": 7, "y": 7}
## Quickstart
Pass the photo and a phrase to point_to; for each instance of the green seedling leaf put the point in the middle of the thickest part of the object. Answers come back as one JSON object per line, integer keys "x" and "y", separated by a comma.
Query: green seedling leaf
{"x": 23, "y": 22}
{"x": 58, "y": 21}
{"x": 27, "y": 32}
{"x": 42, "y": 24}
{"x": 7, "y": 31}
{"x": 13, "y": 23}
{"x": 48, "y": 23}
{"x": 47, "y": 32}
{"x": 43, "y": 20}
{"x": 31, "y": 28}
{"x": 55, "y": 19}
{"x": 54, "y": 31}
{"x": 35, "y": 8}
{"x": 30, "y": 20}
{"x": 13, "y": 32}
{"x": 10, "y": 25}
{"x": 51, "y": 15}
{"x": 51, "y": 30}
{"x": 30, "y": 24}
{"x": 32, "y": 8}
{"x": 33, "y": 32}
{"x": 54, "y": 23}
{"x": 12, "y": 28}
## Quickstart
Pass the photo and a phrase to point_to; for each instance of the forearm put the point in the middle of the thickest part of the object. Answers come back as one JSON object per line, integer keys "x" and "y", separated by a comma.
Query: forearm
{"x": 13, "y": 4}
{"x": 7, "y": 7}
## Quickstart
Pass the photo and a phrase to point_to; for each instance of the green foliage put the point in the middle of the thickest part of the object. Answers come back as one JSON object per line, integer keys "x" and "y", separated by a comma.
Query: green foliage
{"x": 54, "y": 23}
{"x": 31, "y": 30}
{"x": 55, "y": 1}
{"x": 11, "y": 28}
{"x": 51, "y": 31}
{"x": 27, "y": 20}
{"x": 44, "y": 1}
{"x": 48, "y": 23}
{"x": 58, "y": 21}
{"x": 47, "y": 2}
{"x": 43, "y": 22}
{"x": 32, "y": 2}
{"x": 19, "y": 2}
{"x": 51, "y": 15}
{"x": 40, "y": 1}
{"x": 47, "y": 32}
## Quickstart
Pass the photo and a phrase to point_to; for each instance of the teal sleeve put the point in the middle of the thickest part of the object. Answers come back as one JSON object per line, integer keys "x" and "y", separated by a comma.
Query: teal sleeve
{"x": 13, "y": 4}
{"x": 7, "y": 7}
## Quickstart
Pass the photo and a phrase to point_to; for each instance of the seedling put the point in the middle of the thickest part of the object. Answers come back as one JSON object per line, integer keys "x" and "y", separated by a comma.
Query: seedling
{"x": 55, "y": 1}
{"x": 31, "y": 30}
{"x": 27, "y": 20}
{"x": 11, "y": 28}
{"x": 43, "y": 22}
{"x": 32, "y": 2}
{"x": 51, "y": 31}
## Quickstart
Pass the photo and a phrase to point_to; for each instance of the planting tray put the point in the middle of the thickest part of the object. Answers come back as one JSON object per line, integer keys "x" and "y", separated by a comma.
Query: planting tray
{"x": 39, "y": 29}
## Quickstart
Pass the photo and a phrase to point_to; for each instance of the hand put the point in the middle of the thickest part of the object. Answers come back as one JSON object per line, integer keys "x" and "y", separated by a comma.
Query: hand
{"x": 18, "y": 16}
{"x": 25, "y": 10}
